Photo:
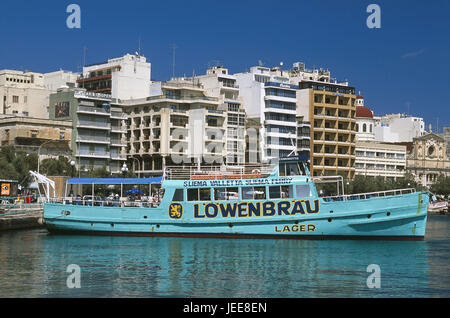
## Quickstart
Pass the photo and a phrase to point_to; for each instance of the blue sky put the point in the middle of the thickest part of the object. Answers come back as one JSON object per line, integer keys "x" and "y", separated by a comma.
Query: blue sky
{"x": 403, "y": 66}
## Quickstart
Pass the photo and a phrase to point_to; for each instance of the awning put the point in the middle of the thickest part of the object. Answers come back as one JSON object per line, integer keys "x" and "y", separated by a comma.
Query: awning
{"x": 154, "y": 180}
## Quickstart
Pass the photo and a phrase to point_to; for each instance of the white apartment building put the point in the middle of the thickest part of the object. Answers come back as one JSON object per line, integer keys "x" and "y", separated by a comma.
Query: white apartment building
{"x": 398, "y": 128}
{"x": 124, "y": 78}
{"x": 268, "y": 96}
{"x": 380, "y": 159}
{"x": 218, "y": 83}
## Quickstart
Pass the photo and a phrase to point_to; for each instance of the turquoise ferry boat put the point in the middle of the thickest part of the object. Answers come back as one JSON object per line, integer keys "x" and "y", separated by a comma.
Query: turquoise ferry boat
{"x": 267, "y": 201}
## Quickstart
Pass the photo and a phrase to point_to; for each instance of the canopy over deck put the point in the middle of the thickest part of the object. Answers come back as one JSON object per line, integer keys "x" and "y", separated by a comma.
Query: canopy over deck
{"x": 154, "y": 180}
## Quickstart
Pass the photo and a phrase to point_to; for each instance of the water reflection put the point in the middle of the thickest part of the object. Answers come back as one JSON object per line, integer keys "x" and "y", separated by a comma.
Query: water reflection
{"x": 33, "y": 264}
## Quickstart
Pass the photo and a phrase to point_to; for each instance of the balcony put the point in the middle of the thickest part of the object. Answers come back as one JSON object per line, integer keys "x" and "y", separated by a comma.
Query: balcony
{"x": 93, "y": 139}
{"x": 93, "y": 154}
{"x": 93, "y": 125}
{"x": 92, "y": 110}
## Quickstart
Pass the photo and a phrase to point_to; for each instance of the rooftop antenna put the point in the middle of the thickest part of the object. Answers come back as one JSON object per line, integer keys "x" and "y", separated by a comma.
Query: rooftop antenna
{"x": 174, "y": 47}
{"x": 139, "y": 50}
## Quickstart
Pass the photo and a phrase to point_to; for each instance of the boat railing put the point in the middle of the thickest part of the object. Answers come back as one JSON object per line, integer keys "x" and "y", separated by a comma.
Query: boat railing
{"x": 218, "y": 172}
{"x": 107, "y": 203}
{"x": 368, "y": 195}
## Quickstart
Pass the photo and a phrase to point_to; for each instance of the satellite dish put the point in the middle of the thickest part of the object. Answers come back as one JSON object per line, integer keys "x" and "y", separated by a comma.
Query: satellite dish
{"x": 281, "y": 64}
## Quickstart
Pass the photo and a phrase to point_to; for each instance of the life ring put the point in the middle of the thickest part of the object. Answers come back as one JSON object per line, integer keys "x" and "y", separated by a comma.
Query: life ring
{"x": 256, "y": 171}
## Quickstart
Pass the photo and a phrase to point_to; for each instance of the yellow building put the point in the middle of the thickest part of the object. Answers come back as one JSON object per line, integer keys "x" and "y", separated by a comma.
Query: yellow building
{"x": 331, "y": 110}
{"x": 48, "y": 138}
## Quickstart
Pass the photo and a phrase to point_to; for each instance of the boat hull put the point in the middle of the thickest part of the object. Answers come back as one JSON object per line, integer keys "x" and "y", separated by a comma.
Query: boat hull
{"x": 399, "y": 217}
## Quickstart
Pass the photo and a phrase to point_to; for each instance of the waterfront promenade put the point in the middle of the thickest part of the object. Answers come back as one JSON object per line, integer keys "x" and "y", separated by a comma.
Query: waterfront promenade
{"x": 22, "y": 216}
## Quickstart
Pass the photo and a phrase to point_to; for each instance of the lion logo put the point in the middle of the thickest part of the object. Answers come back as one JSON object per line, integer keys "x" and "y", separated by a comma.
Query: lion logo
{"x": 175, "y": 211}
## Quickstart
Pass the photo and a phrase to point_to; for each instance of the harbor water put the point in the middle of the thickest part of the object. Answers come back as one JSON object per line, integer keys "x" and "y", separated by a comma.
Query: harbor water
{"x": 34, "y": 263}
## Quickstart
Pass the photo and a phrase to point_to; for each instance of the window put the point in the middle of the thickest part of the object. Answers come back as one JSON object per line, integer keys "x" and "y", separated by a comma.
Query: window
{"x": 226, "y": 194}
{"x": 15, "y": 99}
{"x": 178, "y": 195}
{"x": 202, "y": 194}
{"x": 281, "y": 192}
{"x": 302, "y": 190}
{"x": 254, "y": 193}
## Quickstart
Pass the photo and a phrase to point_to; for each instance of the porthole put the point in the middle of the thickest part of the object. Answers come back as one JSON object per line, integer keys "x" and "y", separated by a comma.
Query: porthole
{"x": 388, "y": 213}
{"x": 330, "y": 219}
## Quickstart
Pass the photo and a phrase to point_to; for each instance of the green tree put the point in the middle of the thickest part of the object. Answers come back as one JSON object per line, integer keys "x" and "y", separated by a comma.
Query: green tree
{"x": 441, "y": 186}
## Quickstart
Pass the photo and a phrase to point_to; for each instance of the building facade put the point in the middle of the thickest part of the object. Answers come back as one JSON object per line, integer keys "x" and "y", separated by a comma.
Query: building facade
{"x": 23, "y": 94}
{"x": 268, "y": 97}
{"x": 98, "y": 128}
{"x": 398, "y": 128}
{"x": 330, "y": 108}
{"x": 428, "y": 159}
{"x": 177, "y": 124}
{"x": 217, "y": 82}
{"x": 380, "y": 159}
{"x": 126, "y": 77}
{"x": 47, "y": 138}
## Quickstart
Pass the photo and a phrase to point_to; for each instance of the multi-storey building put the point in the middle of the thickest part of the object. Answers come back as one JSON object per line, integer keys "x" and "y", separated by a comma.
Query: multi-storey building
{"x": 126, "y": 77}
{"x": 380, "y": 159}
{"x": 99, "y": 127}
{"x": 268, "y": 96}
{"x": 218, "y": 83}
{"x": 330, "y": 108}
{"x": 177, "y": 124}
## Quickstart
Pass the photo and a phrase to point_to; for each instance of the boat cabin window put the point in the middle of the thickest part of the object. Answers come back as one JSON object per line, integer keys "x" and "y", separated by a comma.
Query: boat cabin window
{"x": 226, "y": 194}
{"x": 199, "y": 194}
{"x": 291, "y": 169}
{"x": 280, "y": 192}
{"x": 178, "y": 195}
{"x": 253, "y": 193}
{"x": 303, "y": 190}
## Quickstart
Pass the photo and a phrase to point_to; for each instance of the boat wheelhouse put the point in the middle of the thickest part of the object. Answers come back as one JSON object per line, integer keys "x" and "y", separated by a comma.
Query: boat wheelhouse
{"x": 278, "y": 200}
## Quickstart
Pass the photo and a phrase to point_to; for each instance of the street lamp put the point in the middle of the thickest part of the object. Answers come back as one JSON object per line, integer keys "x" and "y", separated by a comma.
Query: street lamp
{"x": 39, "y": 151}
{"x": 124, "y": 169}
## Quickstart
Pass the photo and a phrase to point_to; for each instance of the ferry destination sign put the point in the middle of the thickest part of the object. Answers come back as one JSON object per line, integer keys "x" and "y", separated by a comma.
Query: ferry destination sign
{"x": 236, "y": 182}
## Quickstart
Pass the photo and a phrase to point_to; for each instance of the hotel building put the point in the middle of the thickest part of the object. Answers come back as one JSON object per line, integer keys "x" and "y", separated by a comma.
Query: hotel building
{"x": 269, "y": 98}
{"x": 330, "y": 108}
{"x": 177, "y": 124}
{"x": 98, "y": 128}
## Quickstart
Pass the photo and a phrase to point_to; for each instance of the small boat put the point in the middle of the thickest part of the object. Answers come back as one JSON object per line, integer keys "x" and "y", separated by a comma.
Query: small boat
{"x": 266, "y": 201}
